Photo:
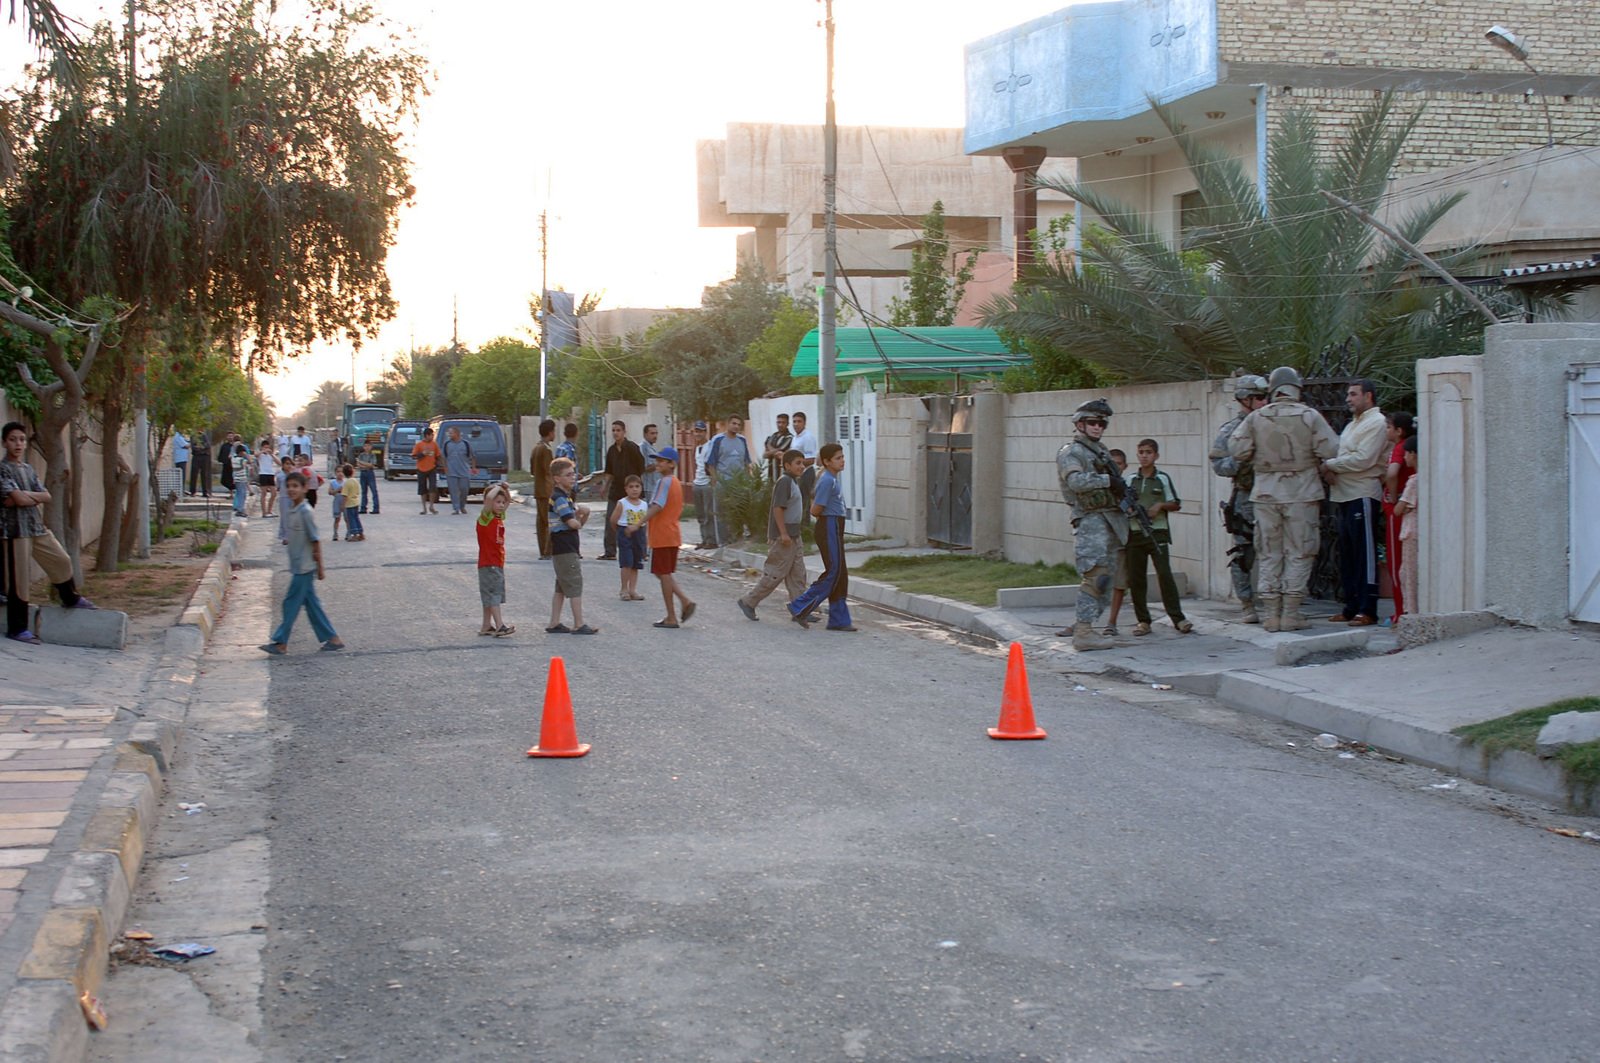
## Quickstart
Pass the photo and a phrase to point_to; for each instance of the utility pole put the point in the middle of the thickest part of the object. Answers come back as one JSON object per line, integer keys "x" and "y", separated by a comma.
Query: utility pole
{"x": 141, "y": 381}
{"x": 830, "y": 250}
{"x": 1416, "y": 253}
{"x": 544, "y": 308}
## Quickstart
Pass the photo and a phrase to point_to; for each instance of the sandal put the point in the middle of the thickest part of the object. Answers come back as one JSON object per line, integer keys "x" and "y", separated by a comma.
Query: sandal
{"x": 586, "y": 630}
{"x": 1141, "y": 629}
{"x": 688, "y": 610}
{"x": 491, "y": 631}
{"x": 662, "y": 623}
{"x": 558, "y": 629}
{"x": 34, "y": 640}
{"x": 507, "y": 629}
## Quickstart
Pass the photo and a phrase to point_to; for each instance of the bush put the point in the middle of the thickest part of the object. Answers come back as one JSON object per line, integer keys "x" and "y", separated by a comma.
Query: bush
{"x": 745, "y": 499}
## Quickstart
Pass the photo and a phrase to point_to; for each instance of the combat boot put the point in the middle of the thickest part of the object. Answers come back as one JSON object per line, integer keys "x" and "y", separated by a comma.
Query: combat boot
{"x": 1292, "y": 620}
{"x": 1085, "y": 638}
{"x": 1247, "y": 612}
{"x": 1268, "y": 604}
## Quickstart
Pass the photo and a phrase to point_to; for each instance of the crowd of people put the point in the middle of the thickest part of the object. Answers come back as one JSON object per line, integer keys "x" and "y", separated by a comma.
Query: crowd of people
{"x": 1285, "y": 461}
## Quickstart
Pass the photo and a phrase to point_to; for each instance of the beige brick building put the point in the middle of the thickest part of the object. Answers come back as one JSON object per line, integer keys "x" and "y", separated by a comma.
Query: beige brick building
{"x": 1076, "y": 83}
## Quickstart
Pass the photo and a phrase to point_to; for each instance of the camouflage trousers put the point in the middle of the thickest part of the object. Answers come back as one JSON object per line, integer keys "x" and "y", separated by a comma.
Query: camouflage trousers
{"x": 1242, "y": 558}
{"x": 1287, "y": 536}
{"x": 1097, "y": 553}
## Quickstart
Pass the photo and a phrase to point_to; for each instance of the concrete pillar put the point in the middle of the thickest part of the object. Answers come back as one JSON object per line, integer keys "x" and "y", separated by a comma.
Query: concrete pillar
{"x": 988, "y": 472}
{"x": 1024, "y": 163}
{"x": 1451, "y": 506}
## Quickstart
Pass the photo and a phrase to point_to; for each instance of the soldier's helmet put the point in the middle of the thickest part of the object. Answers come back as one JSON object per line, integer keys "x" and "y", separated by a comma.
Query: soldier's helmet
{"x": 1094, "y": 408}
{"x": 1284, "y": 375}
{"x": 1248, "y": 387}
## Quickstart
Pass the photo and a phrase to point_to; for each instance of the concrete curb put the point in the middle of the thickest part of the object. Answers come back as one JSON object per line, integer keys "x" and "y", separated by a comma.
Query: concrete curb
{"x": 44, "y": 1021}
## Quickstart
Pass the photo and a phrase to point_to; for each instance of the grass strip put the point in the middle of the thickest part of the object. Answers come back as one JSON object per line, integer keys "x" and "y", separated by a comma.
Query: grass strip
{"x": 1520, "y": 730}
{"x": 963, "y": 577}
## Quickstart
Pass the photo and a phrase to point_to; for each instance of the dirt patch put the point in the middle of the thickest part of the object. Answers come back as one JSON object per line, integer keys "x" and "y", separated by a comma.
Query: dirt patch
{"x": 153, "y": 591}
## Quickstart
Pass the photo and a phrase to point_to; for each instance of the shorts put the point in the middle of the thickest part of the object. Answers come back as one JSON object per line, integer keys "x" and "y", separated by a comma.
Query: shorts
{"x": 492, "y": 585}
{"x": 266, "y": 481}
{"x": 569, "y": 574}
{"x": 630, "y": 550}
{"x": 663, "y": 560}
{"x": 338, "y": 505}
{"x": 427, "y": 481}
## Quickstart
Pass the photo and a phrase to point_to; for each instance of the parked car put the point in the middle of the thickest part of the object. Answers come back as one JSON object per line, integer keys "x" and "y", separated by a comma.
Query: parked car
{"x": 488, "y": 444}
{"x": 397, "y": 459}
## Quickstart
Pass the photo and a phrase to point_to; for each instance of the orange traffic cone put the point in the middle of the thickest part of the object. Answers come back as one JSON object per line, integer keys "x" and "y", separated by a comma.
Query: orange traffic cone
{"x": 558, "y": 736}
{"x": 1016, "y": 707}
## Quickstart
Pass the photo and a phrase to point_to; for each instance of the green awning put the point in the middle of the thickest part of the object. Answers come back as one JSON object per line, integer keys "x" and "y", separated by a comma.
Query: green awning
{"x": 910, "y": 353}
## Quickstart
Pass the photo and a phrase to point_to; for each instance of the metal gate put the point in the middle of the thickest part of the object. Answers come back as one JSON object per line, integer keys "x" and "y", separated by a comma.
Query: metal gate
{"x": 858, "y": 434}
{"x": 950, "y": 470}
{"x": 1583, "y": 461}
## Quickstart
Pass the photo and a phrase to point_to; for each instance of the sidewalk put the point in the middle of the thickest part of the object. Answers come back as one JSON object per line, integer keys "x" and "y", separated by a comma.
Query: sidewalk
{"x": 86, "y": 737}
{"x": 1351, "y": 682}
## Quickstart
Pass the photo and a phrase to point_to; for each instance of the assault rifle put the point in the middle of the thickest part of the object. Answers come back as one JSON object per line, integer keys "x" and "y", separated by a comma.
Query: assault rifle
{"x": 1127, "y": 501}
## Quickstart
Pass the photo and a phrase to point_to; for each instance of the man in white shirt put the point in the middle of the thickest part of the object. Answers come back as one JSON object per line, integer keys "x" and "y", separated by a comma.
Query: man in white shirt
{"x": 806, "y": 444}
{"x": 702, "y": 488}
{"x": 300, "y": 442}
{"x": 285, "y": 449}
{"x": 1355, "y": 480}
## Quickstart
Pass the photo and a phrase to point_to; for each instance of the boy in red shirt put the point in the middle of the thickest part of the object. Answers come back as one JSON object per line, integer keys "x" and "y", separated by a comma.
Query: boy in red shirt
{"x": 492, "y": 560}
{"x": 666, "y": 509}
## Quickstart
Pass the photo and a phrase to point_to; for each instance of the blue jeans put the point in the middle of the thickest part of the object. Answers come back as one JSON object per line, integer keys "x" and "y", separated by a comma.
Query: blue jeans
{"x": 240, "y": 488}
{"x": 369, "y": 482}
{"x": 460, "y": 488}
{"x": 352, "y": 522}
{"x": 303, "y": 595}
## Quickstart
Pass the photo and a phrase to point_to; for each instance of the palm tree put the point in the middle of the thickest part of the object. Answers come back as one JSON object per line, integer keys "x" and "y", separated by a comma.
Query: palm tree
{"x": 52, "y": 31}
{"x": 1289, "y": 281}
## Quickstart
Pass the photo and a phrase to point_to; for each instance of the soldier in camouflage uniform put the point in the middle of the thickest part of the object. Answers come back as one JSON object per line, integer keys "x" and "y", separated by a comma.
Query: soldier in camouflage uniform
{"x": 1287, "y": 441}
{"x": 1238, "y": 512}
{"x": 1089, "y": 483}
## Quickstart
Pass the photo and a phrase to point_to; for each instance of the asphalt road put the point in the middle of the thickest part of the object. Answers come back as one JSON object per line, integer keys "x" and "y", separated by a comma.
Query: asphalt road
{"x": 802, "y": 845}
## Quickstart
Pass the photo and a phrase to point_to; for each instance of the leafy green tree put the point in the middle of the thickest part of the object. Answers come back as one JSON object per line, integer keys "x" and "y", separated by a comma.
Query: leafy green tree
{"x": 771, "y": 354}
{"x": 391, "y": 385}
{"x": 246, "y": 186}
{"x": 1254, "y": 284}
{"x": 500, "y": 379}
{"x": 427, "y": 392}
{"x": 702, "y": 352}
{"x": 595, "y": 374}
{"x": 189, "y": 389}
{"x": 934, "y": 290}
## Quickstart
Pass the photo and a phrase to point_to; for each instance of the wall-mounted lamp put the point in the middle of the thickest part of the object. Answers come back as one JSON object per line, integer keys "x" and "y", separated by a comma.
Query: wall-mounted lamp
{"x": 1514, "y": 46}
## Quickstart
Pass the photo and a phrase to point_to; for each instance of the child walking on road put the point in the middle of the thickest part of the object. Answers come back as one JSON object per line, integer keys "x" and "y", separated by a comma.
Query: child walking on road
{"x": 827, "y": 508}
{"x": 492, "y": 560}
{"x": 666, "y": 537}
{"x": 350, "y": 491}
{"x": 305, "y": 568}
{"x": 628, "y": 521}
{"x": 566, "y": 520}
{"x": 786, "y": 559}
{"x": 336, "y": 498}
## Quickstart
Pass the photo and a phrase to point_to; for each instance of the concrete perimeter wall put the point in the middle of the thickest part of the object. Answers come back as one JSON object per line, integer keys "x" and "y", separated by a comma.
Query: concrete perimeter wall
{"x": 1031, "y": 522}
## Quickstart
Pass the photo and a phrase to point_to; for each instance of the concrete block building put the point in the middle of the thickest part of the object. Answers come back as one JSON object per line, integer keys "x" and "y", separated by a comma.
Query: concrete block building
{"x": 1077, "y": 84}
{"x": 769, "y": 178}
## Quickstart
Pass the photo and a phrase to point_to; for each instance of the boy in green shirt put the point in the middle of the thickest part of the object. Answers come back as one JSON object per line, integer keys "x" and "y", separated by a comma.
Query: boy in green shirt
{"x": 1154, "y": 490}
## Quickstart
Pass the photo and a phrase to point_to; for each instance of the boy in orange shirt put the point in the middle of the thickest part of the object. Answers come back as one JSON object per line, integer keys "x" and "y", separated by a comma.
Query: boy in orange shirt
{"x": 666, "y": 509}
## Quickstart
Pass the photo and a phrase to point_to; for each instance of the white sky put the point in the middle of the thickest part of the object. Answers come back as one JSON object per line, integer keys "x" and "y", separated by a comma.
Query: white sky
{"x": 591, "y": 110}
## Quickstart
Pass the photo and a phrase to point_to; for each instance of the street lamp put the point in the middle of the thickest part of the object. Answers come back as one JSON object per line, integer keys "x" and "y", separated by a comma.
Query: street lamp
{"x": 1514, "y": 46}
